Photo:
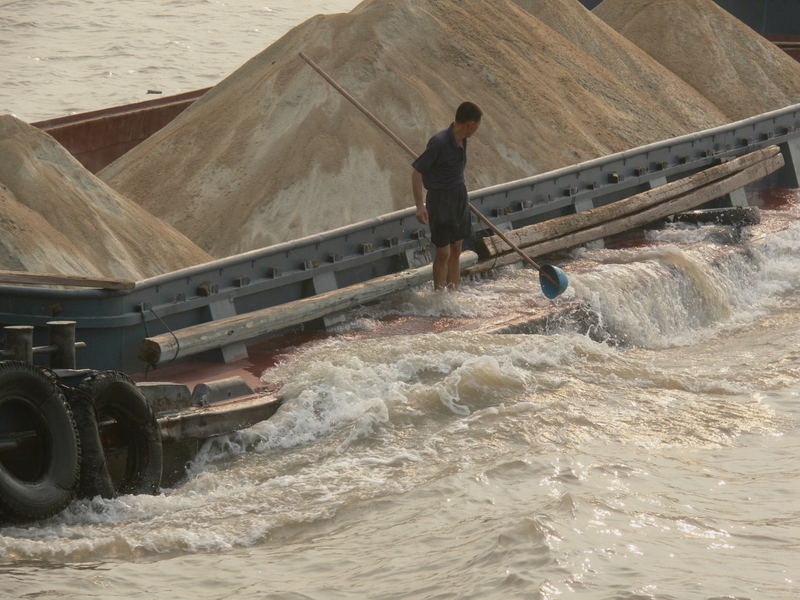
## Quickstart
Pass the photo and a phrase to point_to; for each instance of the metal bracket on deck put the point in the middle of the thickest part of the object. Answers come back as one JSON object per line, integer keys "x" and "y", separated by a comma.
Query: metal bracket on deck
{"x": 790, "y": 173}
{"x": 221, "y": 309}
{"x": 582, "y": 204}
{"x": 326, "y": 282}
{"x": 737, "y": 198}
{"x": 415, "y": 257}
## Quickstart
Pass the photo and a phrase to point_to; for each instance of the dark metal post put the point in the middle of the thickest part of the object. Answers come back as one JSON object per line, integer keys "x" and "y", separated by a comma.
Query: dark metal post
{"x": 62, "y": 337}
{"x": 19, "y": 342}
{"x": 790, "y": 173}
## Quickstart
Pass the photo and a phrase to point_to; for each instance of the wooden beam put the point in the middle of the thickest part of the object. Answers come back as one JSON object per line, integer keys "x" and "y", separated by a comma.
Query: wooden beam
{"x": 682, "y": 203}
{"x": 554, "y": 228}
{"x": 217, "y": 419}
{"x": 240, "y": 328}
{"x": 26, "y": 278}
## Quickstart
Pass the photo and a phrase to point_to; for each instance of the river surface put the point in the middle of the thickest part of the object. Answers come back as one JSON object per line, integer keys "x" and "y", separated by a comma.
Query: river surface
{"x": 657, "y": 459}
{"x": 59, "y": 57}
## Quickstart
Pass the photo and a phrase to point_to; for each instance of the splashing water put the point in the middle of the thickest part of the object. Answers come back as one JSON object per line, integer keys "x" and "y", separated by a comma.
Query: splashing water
{"x": 551, "y": 464}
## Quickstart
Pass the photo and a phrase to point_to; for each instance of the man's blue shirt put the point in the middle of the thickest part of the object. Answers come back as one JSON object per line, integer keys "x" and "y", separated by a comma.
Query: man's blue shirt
{"x": 443, "y": 162}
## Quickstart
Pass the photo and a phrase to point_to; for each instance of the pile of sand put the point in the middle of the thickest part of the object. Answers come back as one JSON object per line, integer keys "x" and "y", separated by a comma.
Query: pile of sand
{"x": 726, "y": 61}
{"x": 57, "y": 217}
{"x": 274, "y": 153}
{"x": 618, "y": 58}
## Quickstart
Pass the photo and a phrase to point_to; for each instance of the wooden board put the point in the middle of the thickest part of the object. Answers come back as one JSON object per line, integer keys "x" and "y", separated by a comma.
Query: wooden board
{"x": 241, "y": 328}
{"x": 218, "y": 419}
{"x": 26, "y": 278}
{"x": 682, "y": 203}
{"x": 560, "y": 226}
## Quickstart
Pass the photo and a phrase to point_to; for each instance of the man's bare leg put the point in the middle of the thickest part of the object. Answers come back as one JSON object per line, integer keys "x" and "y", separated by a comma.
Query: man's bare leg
{"x": 454, "y": 265}
{"x": 441, "y": 264}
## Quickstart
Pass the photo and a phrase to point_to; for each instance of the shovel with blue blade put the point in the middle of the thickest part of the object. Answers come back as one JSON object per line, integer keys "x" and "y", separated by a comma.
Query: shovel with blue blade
{"x": 552, "y": 279}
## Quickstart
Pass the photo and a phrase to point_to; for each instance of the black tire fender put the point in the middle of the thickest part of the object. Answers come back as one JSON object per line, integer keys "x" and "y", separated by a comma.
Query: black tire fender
{"x": 39, "y": 445}
{"x": 95, "y": 479}
{"x": 114, "y": 396}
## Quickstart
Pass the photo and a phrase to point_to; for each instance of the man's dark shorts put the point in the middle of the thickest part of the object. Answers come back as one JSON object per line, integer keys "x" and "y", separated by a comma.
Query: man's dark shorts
{"x": 448, "y": 215}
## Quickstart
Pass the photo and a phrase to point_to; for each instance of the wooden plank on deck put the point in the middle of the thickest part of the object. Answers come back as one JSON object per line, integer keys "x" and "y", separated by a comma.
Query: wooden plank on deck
{"x": 560, "y": 226}
{"x": 27, "y": 278}
{"x": 682, "y": 203}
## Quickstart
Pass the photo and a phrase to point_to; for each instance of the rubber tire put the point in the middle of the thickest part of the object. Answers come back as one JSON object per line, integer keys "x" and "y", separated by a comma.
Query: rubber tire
{"x": 95, "y": 479}
{"x": 54, "y": 488}
{"x": 114, "y": 395}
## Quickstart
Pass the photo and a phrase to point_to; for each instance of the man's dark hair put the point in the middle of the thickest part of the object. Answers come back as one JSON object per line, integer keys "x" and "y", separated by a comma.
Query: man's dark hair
{"x": 468, "y": 111}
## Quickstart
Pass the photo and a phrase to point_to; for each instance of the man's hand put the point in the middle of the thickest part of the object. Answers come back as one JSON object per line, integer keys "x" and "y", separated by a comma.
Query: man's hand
{"x": 416, "y": 188}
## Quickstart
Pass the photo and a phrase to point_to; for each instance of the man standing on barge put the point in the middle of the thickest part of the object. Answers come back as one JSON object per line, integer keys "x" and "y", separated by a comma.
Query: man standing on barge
{"x": 441, "y": 170}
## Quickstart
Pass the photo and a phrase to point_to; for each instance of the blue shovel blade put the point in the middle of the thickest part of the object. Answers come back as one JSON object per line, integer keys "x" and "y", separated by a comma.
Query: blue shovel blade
{"x": 553, "y": 281}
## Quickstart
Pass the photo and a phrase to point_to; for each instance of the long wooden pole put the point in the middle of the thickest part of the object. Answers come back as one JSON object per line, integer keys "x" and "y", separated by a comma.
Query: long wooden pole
{"x": 408, "y": 149}
{"x": 194, "y": 339}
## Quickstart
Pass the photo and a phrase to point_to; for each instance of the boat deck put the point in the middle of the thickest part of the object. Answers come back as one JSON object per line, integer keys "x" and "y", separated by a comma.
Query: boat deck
{"x": 520, "y": 312}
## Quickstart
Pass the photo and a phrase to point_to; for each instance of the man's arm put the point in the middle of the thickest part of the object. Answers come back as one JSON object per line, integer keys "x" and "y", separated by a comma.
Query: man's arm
{"x": 416, "y": 186}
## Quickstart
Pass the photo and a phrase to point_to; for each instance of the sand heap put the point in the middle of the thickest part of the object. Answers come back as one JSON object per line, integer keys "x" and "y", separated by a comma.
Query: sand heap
{"x": 621, "y": 58}
{"x": 58, "y": 218}
{"x": 726, "y": 61}
{"x": 274, "y": 153}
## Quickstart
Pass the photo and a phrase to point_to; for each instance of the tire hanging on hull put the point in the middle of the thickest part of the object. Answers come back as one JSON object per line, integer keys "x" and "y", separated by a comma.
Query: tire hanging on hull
{"x": 94, "y": 477}
{"x": 39, "y": 445}
{"x": 112, "y": 396}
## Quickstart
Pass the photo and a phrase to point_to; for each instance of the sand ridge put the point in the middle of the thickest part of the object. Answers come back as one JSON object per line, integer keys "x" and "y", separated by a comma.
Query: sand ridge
{"x": 619, "y": 58}
{"x": 273, "y": 153}
{"x": 57, "y": 217}
{"x": 727, "y": 62}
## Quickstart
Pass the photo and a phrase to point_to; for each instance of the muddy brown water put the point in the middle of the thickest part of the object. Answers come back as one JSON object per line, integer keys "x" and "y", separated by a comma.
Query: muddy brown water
{"x": 656, "y": 459}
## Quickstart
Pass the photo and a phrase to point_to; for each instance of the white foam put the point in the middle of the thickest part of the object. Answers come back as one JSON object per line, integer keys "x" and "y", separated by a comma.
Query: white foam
{"x": 366, "y": 418}
{"x": 363, "y": 385}
{"x": 663, "y": 296}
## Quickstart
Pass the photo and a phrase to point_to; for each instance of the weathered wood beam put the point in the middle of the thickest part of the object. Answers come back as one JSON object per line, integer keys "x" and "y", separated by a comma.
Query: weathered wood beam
{"x": 218, "y": 419}
{"x": 26, "y": 278}
{"x": 553, "y": 228}
{"x": 240, "y": 328}
{"x": 682, "y": 203}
